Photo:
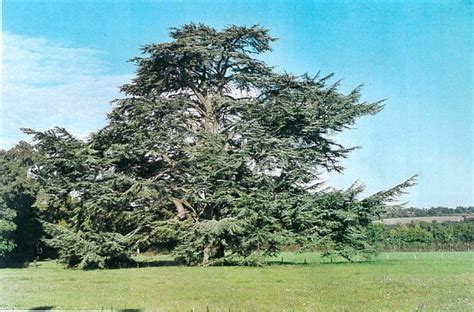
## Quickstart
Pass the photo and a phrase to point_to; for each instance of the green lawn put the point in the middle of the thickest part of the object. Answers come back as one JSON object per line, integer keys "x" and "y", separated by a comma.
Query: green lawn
{"x": 392, "y": 282}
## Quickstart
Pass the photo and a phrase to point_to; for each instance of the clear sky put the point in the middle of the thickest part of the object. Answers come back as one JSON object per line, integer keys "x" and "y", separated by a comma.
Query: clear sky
{"x": 63, "y": 60}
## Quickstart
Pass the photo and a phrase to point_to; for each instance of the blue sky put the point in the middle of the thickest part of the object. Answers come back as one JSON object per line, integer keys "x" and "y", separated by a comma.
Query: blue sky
{"x": 63, "y": 60}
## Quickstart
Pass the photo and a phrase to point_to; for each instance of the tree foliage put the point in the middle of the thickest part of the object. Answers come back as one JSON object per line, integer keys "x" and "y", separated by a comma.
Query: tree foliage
{"x": 20, "y": 230}
{"x": 82, "y": 203}
{"x": 212, "y": 154}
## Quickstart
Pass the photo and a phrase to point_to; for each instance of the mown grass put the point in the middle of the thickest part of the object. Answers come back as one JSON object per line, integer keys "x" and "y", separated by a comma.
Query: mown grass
{"x": 391, "y": 282}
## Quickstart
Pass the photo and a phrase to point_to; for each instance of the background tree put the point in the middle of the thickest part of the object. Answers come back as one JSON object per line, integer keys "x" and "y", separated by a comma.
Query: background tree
{"x": 216, "y": 156}
{"x": 81, "y": 202}
{"x": 20, "y": 230}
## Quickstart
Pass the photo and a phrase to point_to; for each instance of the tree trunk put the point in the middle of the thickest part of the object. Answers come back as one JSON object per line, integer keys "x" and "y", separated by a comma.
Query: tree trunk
{"x": 179, "y": 207}
{"x": 213, "y": 250}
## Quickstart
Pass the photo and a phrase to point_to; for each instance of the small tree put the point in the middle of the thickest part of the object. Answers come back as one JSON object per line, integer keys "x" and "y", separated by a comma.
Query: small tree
{"x": 223, "y": 155}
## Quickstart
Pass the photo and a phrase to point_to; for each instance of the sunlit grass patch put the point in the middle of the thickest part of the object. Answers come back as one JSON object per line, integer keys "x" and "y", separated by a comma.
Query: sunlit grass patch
{"x": 304, "y": 282}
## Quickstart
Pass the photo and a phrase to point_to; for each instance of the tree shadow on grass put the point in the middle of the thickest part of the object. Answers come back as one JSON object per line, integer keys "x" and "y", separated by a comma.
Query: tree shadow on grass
{"x": 265, "y": 262}
{"x": 285, "y": 262}
{"x": 49, "y": 308}
{"x": 134, "y": 264}
{"x": 361, "y": 262}
{"x": 155, "y": 263}
{"x": 328, "y": 262}
{"x": 225, "y": 263}
{"x": 42, "y": 308}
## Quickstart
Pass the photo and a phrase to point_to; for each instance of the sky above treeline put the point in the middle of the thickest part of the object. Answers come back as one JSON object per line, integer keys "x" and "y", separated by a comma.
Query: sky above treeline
{"x": 63, "y": 61}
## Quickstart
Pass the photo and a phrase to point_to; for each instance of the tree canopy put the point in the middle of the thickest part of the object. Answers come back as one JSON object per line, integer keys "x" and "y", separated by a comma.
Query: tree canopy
{"x": 20, "y": 230}
{"x": 212, "y": 154}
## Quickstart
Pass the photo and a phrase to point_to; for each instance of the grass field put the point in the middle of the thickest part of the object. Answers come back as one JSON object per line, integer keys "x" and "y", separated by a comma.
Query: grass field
{"x": 392, "y": 282}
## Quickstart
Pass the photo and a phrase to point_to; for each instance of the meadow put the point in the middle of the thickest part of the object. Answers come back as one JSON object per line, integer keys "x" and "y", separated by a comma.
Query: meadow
{"x": 294, "y": 282}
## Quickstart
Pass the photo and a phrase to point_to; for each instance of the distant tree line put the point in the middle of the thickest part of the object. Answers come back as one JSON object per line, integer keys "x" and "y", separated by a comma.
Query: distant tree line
{"x": 424, "y": 236}
{"x": 401, "y": 212}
